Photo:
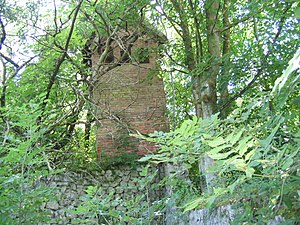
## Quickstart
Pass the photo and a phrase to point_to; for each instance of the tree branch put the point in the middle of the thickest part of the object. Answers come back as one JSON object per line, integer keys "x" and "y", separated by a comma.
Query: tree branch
{"x": 3, "y": 37}
{"x": 199, "y": 44}
{"x": 9, "y": 60}
{"x": 5, "y": 78}
{"x": 260, "y": 70}
{"x": 61, "y": 59}
{"x": 234, "y": 24}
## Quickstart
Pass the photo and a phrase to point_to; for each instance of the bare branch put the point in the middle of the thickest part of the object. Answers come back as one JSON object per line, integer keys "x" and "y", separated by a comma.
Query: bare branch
{"x": 173, "y": 22}
{"x": 5, "y": 78}
{"x": 100, "y": 69}
{"x": 9, "y": 60}
{"x": 229, "y": 26}
{"x": 55, "y": 17}
{"x": 199, "y": 44}
{"x": 3, "y": 37}
{"x": 105, "y": 22}
{"x": 186, "y": 36}
{"x": 174, "y": 60}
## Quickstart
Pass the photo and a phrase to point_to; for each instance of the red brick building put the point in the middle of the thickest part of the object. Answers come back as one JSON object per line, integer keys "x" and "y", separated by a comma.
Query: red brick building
{"x": 130, "y": 97}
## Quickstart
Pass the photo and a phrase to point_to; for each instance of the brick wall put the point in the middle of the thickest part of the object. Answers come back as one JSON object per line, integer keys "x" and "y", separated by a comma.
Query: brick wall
{"x": 130, "y": 99}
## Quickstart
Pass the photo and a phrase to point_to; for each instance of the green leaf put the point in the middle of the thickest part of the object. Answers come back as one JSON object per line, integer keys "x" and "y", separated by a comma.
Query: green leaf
{"x": 206, "y": 136}
{"x": 249, "y": 172}
{"x": 235, "y": 138}
{"x": 145, "y": 158}
{"x": 287, "y": 163}
{"x": 218, "y": 156}
{"x": 229, "y": 137}
{"x": 177, "y": 142}
{"x": 215, "y": 142}
{"x": 210, "y": 201}
{"x": 240, "y": 180}
{"x": 244, "y": 144}
{"x": 266, "y": 142}
{"x": 254, "y": 163}
{"x": 193, "y": 204}
{"x": 249, "y": 154}
{"x": 218, "y": 149}
{"x": 144, "y": 172}
{"x": 294, "y": 64}
{"x": 230, "y": 160}
{"x": 297, "y": 11}
{"x": 239, "y": 164}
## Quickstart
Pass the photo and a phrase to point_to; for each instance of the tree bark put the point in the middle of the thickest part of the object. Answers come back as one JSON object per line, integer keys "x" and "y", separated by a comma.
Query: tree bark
{"x": 209, "y": 78}
{"x": 224, "y": 94}
{"x": 204, "y": 93}
{"x": 207, "y": 85}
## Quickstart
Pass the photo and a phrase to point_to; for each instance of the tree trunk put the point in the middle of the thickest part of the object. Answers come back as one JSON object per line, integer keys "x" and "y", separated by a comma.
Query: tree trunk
{"x": 223, "y": 215}
{"x": 173, "y": 214}
{"x": 4, "y": 85}
{"x": 205, "y": 101}
{"x": 224, "y": 94}
{"x": 207, "y": 85}
{"x": 220, "y": 216}
{"x": 209, "y": 80}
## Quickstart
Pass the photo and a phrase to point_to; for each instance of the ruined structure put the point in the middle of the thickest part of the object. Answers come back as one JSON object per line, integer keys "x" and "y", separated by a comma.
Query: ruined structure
{"x": 129, "y": 99}
{"x": 129, "y": 94}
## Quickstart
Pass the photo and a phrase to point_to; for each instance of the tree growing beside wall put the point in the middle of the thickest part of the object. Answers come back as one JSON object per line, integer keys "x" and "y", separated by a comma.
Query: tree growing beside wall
{"x": 255, "y": 157}
{"x": 222, "y": 57}
{"x": 226, "y": 49}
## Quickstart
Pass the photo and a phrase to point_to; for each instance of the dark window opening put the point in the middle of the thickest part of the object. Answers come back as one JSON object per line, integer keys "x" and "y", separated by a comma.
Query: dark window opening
{"x": 110, "y": 56}
{"x": 142, "y": 55}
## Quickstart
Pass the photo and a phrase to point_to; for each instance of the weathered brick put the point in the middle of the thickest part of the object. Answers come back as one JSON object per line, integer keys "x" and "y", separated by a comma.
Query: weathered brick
{"x": 130, "y": 99}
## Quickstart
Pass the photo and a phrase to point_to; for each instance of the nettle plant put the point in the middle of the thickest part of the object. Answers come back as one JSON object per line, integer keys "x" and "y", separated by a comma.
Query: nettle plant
{"x": 255, "y": 151}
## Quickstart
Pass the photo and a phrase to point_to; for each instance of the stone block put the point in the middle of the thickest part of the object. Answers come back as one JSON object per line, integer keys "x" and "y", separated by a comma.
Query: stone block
{"x": 53, "y": 205}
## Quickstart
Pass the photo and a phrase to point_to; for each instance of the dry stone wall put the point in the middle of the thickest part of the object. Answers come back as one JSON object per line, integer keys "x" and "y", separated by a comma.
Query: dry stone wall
{"x": 117, "y": 190}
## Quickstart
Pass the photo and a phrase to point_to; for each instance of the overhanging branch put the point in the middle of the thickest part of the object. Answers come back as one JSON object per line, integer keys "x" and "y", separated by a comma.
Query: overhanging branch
{"x": 62, "y": 58}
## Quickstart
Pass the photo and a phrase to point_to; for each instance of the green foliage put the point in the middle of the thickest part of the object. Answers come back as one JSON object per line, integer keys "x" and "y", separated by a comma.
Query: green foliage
{"x": 262, "y": 37}
{"x": 46, "y": 105}
{"x": 110, "y": 209}
{"x": 46, "y": 114}
{"x": 256, "y": 154}
{"x": 121, "y": 158}
{"x": 288, "y": 82}
{"x": 23, "y": 164}
{"x": 79, "y": 154}
{"x": 141, "y": 55}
